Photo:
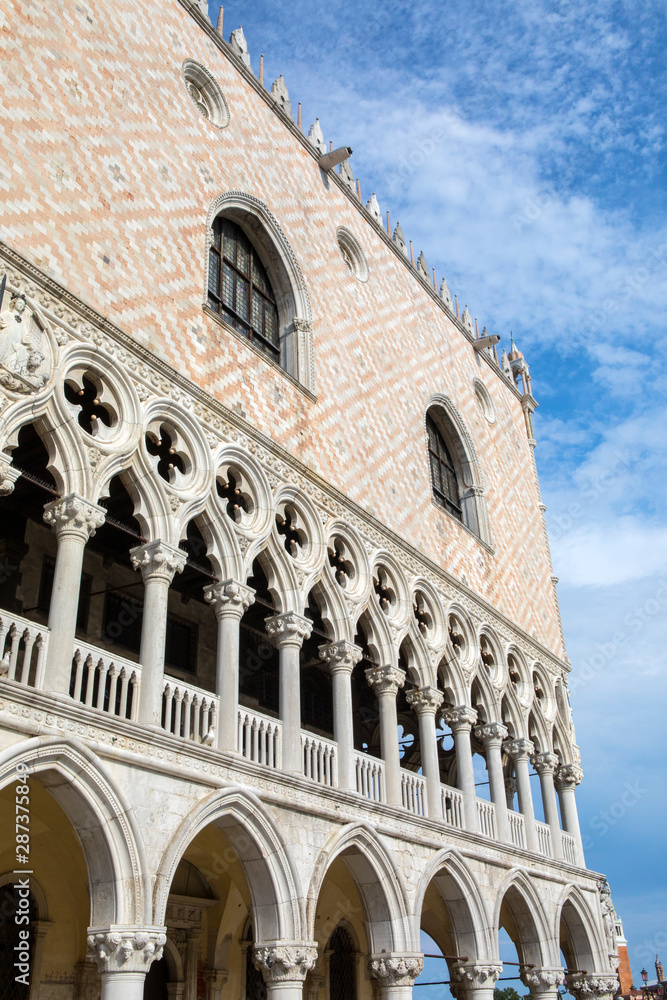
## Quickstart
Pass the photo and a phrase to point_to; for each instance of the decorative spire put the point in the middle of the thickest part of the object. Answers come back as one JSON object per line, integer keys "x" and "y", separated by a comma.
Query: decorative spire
{"x": 239, "y": 46}
{"x": 261, "y": 69}
{"x": 346, "y": 174}
{"x": 316, "y": 137}
{"x": 446, "y": 296}
{"x": 466, "y": 319}
{"x": 456, "y": 299}
{"x": 422, "y": 266}
{"x": 280, "y": 94}
{"x": 435, "y": 283}
{"x": 373, "y": 207}
{"x": 221, "y": 14}
{"x": 359, "y": 190}
{"x": 412, "y": 255}
{"x": 300, "y": 120}
{"x": 388, "y": 224}
{"x": 399, "y": 239}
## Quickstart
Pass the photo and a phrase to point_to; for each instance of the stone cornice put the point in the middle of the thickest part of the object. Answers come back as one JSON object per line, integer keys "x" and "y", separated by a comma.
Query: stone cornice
{"x": 82, "y": 322}
{"x": 332, "y": 175}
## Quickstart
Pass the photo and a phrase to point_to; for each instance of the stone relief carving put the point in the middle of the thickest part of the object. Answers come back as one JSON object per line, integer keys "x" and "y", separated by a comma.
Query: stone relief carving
{"x": 22, "y": 348}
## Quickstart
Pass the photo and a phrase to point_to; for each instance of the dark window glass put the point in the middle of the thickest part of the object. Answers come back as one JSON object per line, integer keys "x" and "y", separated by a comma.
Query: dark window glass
{"x": 342, "y": 966}
{"x": 443, "y": 474}
{"x": 122, "y": 625}
{"x": 239, "y": 289}
{"x": 122, "y": 620}
{"x": 46, "y": 588}
{"x": 181, "y": 645}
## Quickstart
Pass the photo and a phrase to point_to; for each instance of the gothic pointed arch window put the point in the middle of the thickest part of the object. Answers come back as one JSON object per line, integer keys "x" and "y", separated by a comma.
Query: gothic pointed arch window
{"x": 456, "y": 478}
{"x": 239, "y": 288}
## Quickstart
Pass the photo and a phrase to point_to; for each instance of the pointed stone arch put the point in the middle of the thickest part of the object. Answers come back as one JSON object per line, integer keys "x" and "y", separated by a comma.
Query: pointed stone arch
{"x": 578, "y": 932}
{"x": 377, "y": 879}
{"x": 105, "y": 826}
{"x": 472, "y": 483}
{"x": 520, "y": 909}
{"x": 272, "y": 882}
{"x": 461, "y": 895}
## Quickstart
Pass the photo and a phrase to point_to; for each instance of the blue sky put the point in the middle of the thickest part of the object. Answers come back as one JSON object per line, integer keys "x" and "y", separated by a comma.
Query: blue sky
{"x": 522, "y": 146}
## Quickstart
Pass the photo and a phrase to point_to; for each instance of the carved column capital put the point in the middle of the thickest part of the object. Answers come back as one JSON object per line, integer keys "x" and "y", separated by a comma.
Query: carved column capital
{"x": 519, "y": 749}
{"x": 286, "y": 962}
{"x": 545, "y": 763}
{"x": 385, "y": 680}
{"x": 125, "y": 949}
{"x": 288, "y": 629}
{"x": 158, "y": 560}
{"x": 491, "y": 733}
{"x": 568, "y": 776}
{"x": 541, "y": 980}
{"x": 74, "y": 515}
{"x": 229, "y": 599}
{"x": 426, "y": 700}
{"x": 461, "y": 718}
{"x": 591, "y": 987}
{"x": 8, "y": 474}
{"x": 396, "y": 970}
{"x": 341, "y": 657}
{"x": 473, "y": 976}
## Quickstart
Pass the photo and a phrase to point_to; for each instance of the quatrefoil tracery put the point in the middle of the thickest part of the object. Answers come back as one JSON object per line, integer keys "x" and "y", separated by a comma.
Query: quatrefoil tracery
{"x": 231, "y": 490}
{"x": 161, "y": 444}
{"x": 294, "y": 538}
{"x": 486, "y": 653}
{"x": 385, "y": 593}
{"x": 85, "y": 392}
{"x": 422, "y": 615}
{"x": 456, "y": 636}
{"x": 341, "y": 565}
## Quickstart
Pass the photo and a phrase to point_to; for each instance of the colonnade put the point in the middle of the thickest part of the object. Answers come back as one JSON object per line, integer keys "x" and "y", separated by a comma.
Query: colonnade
{"x": 75, "y": 519}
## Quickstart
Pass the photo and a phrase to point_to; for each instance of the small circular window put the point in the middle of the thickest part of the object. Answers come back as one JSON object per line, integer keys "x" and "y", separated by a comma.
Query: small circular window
{"x": 352, "y": 253}
{"x": 484, "y": 401}
{"x": 205, "y": 93}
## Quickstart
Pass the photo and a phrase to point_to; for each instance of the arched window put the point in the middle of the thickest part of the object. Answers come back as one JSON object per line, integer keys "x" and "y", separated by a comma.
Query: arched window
{"x": 342, "y": 966}
{"x": 443, "y": 474}
{"x": 239, "y": 289}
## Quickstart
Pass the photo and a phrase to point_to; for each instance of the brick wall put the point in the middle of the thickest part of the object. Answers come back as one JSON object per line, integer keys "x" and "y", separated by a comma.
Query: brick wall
{"x": 107, "y": 173}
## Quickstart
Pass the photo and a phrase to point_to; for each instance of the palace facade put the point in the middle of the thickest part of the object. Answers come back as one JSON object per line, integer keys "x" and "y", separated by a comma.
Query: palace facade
{"x": 276, "y": 587}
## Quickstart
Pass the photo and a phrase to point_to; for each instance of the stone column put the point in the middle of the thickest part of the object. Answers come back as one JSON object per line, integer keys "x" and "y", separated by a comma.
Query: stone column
{"x": 123, "y": 956}
{"x": 542, "y": 983}
{"x": 215, "y": 979}
{"x": 342, "y": 657}
{"x": 386, "y": 681}
{"x": 474, "y": 981}
{"x": 492, "y": 736}
{"x": 593, "y": 986}
{"x": 285, "y": 967}
{"x": 230, "y": 600}
{"x": 158, "y": 563}
{"x": 396, "y": 974}
{"x": 545, "y": 765}
{"x": 461, "y": 720}
{"x": 568, "y": 776}
{"x": 288, "y": 632}
{"x": 520, "y": 750}
{"x": 426, "y": 701}
{"x": 74, "y": 520}
{"x": 191, "y": 955}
